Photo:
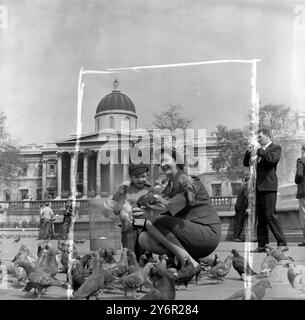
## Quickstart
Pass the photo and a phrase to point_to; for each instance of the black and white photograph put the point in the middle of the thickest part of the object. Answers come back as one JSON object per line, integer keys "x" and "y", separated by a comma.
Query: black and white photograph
{"x": 152, "y": 150}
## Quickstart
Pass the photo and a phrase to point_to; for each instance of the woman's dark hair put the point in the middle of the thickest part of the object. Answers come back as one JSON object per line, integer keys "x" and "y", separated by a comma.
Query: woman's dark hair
{"x": 174, "y": 155}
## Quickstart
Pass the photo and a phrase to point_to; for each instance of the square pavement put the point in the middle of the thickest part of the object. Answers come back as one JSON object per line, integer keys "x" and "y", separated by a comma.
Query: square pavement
{"x": 206, "y": 289}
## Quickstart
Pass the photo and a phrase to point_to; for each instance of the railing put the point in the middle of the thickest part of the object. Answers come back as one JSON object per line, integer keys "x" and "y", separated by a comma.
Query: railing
{"x": 225, "y": 203}
{"x": 36, "y": 204}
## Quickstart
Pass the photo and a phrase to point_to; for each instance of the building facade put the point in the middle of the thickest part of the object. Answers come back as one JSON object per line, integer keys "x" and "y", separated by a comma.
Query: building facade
{"x": 49, "y": 171}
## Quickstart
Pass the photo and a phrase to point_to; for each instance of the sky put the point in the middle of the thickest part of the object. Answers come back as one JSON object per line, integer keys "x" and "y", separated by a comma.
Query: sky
{"x": 48, "y": 41}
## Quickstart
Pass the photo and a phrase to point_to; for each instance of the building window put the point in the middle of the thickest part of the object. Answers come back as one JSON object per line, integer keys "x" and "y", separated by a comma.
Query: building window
{"x": 7, "y": 195}
{"x": 235, "y": 187}
{"x": 39, "y": 170}
{"x": 216, "y": 189}
{"x": 196, "y": 152}
{"x": 24, "y": 171}
{"x": 38, "y": 194}
{"x": 127, "y": 123}
{"x": 111, "y": 122}
{"x": 51, "y": 193}
{"x": 24, "y": 194}
{"x": 51, "y": 170}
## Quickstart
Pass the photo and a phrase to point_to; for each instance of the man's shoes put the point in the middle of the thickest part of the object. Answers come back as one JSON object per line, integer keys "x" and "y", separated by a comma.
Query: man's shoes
{"x": 259, "y": 249}
{"x": 237, "y": 240}
{"x": 282, "y": 248}
{"x": 302, "y": 244}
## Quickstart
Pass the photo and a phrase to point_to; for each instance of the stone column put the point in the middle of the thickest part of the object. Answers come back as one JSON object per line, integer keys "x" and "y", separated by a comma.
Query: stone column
{"x": 44, "y": 179}
{"x": 111, "y": 176}
{"x": 98, "y": 177}
{"x": 125, "y": 166}
{"x": 59, "y": 175}
{"x": 125, "y": 172}
{"x": 85, "y": 175}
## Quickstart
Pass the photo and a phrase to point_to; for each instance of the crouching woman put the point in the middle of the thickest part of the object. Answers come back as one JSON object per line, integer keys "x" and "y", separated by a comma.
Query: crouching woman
{"x": 190, "y": 227}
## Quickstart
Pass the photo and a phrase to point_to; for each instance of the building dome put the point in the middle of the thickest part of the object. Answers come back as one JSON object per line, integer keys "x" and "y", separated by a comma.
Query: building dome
{"x": 116, "y": 100}
{"x": 115, "y": 111}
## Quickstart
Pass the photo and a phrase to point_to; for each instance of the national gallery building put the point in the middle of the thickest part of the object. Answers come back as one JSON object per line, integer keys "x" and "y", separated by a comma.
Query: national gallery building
{"x": 48, "y": 170}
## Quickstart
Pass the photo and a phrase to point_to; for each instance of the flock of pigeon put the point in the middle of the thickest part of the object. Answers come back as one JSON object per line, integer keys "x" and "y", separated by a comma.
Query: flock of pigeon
{"x": 152, "y": 277}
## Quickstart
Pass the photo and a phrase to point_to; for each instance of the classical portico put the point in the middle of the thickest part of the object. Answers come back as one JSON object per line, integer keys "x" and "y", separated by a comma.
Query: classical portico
{"x": 80, "y": 172}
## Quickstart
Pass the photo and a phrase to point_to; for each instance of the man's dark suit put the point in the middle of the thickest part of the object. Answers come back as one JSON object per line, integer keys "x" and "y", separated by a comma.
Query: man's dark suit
{"x": 266, "y": 192}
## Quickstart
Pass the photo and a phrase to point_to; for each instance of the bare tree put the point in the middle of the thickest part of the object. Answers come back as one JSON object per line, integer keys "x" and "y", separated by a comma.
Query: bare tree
{"x": 231, "y": 145}
{"x": 171, "y": 118}
{"x": 278, "y": 118}
{"x": 10, "y": 161}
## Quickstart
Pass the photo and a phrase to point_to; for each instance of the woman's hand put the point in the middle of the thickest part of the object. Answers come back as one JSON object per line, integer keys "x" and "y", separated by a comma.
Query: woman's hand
{"x": 160, "y": 199}
{"x": 137, "y": 212}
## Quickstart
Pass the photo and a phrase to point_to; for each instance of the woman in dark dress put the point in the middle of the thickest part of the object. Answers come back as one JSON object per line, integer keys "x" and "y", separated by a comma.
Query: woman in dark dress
{"x": 190, "y": 227}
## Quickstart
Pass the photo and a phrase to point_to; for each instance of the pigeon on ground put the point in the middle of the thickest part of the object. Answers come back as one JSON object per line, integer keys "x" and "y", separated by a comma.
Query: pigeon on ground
{"x": 296, "y": 276}
{"x": 76, "y": 275}
{"x": 87, "y": 262}
{"x": 221, "y": 269}
{"x": 41, "y": 280}
{"x": 257, "y": 292}
{"x": 122, "y": 266}
{"x": 48, "y": 262}
{"x": 40, "y": 248}
{"x": 185, "y": 274}
{"x": 158, "y": 270}
{"x": 279, "y": 255}
{"x": 23, "y": 255}
{"x": 142, "y": 260}
{"x": 17, "y": 239}
{"x": 94, "y": 283}
{"x": 107, "y": 255}
{"x": 165, "y": 288}
{"x": 268, "y": 265}
{"x": 136, "y": 280}
{"x": 215, "y": 261}
{"x": 17, "y": 272}
{"x": 23, "y": 264}
{"x": 241, "y": 265}
{"x": 133, "y": 263}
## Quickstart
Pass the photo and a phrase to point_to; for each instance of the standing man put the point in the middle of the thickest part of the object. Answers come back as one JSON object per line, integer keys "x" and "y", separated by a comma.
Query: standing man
{"x": 47, "y": 221}
{"x": 267, "y": 157}
{"x": 300, "y": 181}
{"x": 67, "y": 219}
{"x": 40, "y": 221}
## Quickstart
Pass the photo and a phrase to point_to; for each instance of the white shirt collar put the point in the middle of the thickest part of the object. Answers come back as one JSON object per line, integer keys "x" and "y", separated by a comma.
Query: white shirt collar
{"x": 267, "y": 145}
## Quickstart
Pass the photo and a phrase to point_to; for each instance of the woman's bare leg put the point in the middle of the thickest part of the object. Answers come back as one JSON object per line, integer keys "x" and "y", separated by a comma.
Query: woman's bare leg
{"x": 171, "y": 243}
{"x": 150, "y": 244}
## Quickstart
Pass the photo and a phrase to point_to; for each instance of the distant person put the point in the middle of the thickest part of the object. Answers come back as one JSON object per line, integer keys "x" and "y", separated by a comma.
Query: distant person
{"x": 47, "y": 222}
{"x": 266, "y": 158}
{"x": 300, "y": 181}
{"x": 67, "y": 219}
{"x": 40, "y": 221}
{"x": 241, "y": 211}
